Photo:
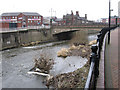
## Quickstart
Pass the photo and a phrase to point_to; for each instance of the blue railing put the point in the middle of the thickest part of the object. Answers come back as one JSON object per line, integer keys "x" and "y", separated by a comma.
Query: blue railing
{"x": 95, "y": 58}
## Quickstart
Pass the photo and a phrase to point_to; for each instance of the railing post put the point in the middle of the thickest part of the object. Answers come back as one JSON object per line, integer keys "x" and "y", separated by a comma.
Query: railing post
{"x": 96, "y": 61}
{"x": 95, "y": 56}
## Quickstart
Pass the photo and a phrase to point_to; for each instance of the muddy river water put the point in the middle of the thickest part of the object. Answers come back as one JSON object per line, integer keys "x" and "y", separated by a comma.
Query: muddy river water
{"x": 18, "y": 61}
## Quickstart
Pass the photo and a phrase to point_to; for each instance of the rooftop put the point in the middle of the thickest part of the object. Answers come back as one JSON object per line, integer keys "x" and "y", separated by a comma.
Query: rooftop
{"x": 17, "y": 13}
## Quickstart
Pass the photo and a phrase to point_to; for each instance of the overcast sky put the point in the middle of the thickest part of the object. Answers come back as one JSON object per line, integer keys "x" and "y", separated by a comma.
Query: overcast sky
{"x": 95, "y": 9}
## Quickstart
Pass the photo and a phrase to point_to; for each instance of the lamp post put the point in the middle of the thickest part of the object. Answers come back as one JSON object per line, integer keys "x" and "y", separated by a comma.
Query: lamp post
{"x": 115, "y": 20}
{"x": 109, "y": 21}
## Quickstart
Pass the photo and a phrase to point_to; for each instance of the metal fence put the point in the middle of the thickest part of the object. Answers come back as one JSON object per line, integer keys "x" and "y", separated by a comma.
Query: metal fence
{"x": 94, "y": 60}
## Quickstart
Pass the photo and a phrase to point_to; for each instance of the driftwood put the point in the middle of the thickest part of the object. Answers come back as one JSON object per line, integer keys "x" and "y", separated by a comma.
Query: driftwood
{"x": 38, "y": 72}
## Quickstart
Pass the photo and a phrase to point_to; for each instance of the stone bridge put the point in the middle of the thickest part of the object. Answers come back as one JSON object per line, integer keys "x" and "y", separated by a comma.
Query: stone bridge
{"x": 59, "y": 29}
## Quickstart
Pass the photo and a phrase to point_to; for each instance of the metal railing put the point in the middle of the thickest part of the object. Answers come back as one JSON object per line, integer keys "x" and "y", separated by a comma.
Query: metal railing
{"x": 94, "y": 60}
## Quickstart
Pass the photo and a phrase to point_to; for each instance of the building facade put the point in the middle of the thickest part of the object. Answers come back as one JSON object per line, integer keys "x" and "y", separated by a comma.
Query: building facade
{"x": 113, "y": 20}
{"x": 21, "y": 19}
{"x": 71, "y": 19}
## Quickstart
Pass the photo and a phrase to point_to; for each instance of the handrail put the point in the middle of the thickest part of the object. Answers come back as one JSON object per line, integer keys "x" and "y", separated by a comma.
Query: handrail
{"x": 89, "y": 76}
{"x": 95, "y": 58}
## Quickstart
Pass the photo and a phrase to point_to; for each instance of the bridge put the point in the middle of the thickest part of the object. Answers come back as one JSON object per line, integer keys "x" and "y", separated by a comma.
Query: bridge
{"x": 59, "y": 29}
{"x": 65, "y": 32}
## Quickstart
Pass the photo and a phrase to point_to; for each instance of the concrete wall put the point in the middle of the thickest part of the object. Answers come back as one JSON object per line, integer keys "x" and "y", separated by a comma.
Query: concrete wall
{"x": 18, "y": 38}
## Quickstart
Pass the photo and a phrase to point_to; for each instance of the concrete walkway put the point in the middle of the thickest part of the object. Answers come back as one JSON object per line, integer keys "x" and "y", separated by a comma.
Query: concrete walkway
{"x": 109, "y": 67}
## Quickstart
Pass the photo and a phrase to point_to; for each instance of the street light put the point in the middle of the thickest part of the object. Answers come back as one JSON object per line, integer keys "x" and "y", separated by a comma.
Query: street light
{"x": 115, "y": 20}
{"x": 109, "y": 21}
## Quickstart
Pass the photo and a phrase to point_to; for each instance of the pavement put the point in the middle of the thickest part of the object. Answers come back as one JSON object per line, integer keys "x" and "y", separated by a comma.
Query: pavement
{"x": 109, "y": 65}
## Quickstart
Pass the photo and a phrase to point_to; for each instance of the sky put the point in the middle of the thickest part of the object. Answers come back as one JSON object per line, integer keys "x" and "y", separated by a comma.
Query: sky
{"x": 95, "y": 9}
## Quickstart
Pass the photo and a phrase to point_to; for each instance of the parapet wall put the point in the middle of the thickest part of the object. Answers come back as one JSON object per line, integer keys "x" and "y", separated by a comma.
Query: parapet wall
{"x": 17, "y": 38}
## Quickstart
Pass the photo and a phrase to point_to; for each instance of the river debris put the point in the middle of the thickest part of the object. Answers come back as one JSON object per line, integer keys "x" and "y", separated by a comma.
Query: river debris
{"x": 92, "y": 42}
{"x": 79, "y": 50}
{"x": 44, "y": 64}
{"x": 63, "y": 52}
{"x": 82, "y": 50}
{"x": 76, "y": 79}
{"x": 30, "y": 44}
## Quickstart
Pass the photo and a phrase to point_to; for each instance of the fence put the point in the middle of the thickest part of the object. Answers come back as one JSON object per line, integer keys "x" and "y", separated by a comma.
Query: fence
{"x": 95, "y": 58}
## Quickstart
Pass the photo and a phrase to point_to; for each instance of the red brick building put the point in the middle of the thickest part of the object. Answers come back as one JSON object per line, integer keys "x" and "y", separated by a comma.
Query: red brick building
{"x": 71, "y": 19}
{"x": 113, "y": 20}
{"x": 21, "y": 19}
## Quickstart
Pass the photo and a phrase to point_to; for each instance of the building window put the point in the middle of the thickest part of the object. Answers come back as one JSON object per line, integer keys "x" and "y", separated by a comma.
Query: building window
{"x": 31, "y": 21}
{"x": 3, "y": 18}
{"x": 13, "y": 17}
{"x": 28, "y": 21}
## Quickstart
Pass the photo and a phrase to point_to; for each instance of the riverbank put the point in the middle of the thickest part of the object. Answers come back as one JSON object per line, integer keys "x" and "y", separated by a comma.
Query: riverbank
{"x": 77, "y": 78}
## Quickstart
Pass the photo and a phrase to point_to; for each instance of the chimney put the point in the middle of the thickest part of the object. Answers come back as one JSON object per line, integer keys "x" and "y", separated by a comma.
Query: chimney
{"x": 77, "y": 13}
{"x": 86, "y": 16}
{"x": 71, "y": 12}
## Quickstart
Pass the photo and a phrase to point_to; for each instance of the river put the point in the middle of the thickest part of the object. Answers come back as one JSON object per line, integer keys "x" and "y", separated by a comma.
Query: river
{"x": 18, "y": 61}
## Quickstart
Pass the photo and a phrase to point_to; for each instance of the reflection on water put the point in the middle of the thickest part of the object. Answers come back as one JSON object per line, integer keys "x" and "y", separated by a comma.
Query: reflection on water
{"x": 92, "y": 37}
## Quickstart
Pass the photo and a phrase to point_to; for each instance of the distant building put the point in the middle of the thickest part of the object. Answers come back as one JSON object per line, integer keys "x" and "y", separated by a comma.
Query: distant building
{"x": 21, "y": 19}
{"x": 119, "y": 9}
{"x": 104, "y": 20}
{"x": 71, "y": 19}
{"x": 60, "y": 21}
{"x": 46, "y": 20}
{"x": 113, "y": 20}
